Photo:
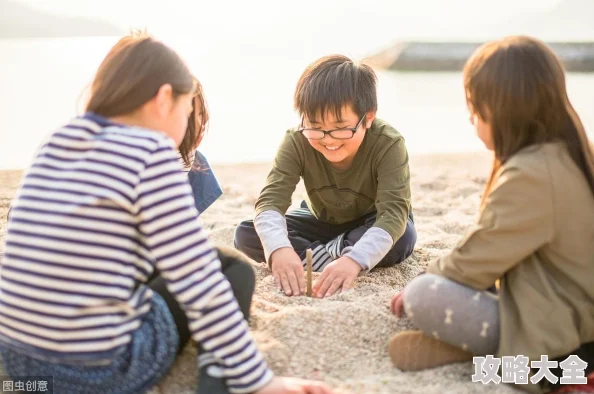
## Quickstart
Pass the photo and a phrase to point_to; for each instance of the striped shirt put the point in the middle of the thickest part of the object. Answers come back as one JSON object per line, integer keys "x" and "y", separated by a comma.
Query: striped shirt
{"x": 102, "y": 206}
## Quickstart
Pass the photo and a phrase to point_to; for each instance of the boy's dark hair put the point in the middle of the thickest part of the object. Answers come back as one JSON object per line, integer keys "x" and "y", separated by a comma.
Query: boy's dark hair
{"x": 330, "y": 83}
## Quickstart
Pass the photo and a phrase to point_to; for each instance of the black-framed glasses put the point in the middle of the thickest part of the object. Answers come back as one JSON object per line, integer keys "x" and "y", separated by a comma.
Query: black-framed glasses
{"x": 344, "y": 133}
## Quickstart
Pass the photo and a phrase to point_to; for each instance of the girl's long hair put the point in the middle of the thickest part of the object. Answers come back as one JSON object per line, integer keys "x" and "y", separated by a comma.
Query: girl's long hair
{"x": 196, "y": 128}
{"x": 517, "y": 85}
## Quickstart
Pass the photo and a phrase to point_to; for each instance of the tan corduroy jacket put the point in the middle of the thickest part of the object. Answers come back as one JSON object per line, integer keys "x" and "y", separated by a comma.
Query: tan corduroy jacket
{"x": 535, "y": 234}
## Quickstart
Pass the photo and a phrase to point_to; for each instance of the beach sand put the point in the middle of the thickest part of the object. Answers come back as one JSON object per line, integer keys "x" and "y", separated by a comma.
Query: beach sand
{"x": 341, "y": 340}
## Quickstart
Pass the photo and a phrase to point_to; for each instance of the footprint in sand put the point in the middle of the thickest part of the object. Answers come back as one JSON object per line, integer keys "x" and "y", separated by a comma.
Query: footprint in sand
{"x": 434, "y": 186}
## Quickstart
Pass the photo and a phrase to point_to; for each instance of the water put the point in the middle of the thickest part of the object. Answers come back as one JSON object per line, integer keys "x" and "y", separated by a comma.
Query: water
{"x": 249, "y": 87}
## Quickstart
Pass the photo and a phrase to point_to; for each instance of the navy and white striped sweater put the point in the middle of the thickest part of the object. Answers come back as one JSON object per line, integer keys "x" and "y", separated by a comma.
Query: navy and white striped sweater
{"x": 100, "y": 208}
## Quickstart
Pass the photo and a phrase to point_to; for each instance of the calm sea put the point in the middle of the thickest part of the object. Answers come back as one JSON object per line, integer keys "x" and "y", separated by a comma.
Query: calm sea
{"x": 249, "y": 89}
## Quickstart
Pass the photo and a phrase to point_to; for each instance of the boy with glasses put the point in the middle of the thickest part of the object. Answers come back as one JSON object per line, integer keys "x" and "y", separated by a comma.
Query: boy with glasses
{"x": 355, "y": 169}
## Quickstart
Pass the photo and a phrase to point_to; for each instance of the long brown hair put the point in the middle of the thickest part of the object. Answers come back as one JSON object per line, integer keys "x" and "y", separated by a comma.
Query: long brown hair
{"x": 517, "y": 86}
{"x": 132, "y": 73}
{"x": 195, "y": 130}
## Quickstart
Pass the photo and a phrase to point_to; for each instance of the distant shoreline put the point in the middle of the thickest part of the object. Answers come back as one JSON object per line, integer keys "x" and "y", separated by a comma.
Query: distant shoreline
{"x": 19, "y": 20}
{"x": 65, "y": 37}
{"x": 259, "y": 164}
{"x": 451, "y": 56}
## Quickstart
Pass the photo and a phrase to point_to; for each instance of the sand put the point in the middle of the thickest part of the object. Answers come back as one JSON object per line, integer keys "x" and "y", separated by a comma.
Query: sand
{"x": 342, "y": 340}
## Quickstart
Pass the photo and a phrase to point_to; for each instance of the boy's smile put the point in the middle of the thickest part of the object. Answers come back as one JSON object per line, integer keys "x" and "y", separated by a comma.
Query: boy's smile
{"x": 333, "y": 147}
{"x": 348, "y": 127}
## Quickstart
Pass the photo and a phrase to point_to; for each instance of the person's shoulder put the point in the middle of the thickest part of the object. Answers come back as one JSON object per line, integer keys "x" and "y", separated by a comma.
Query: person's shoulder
{"x": 386, "y": 144}
{"x": 539, "y": 166}
{"x": 294, "y": 134}
{"x": 103, "y": 128}
{"x": 385, "y": 131}
{"x": 114, "y": 138}
{"x": 292, "y": 148}
{"x": 141, "y": 137}
{"x": 293, "y": 137}
{"x": 536, "y": 157}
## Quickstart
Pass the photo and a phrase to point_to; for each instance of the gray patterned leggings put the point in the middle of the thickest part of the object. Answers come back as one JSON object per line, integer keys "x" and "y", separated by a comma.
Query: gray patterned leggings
{"x": 453, "y": 313}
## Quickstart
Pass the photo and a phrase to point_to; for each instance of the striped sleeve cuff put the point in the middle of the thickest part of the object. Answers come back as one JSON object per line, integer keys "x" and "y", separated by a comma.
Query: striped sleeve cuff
{"x": 264, "y": 378}
{"x": 227, "y": 342}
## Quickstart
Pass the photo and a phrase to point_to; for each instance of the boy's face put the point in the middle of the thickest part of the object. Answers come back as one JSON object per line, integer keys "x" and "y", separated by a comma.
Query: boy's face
{"x": 340, "y": 152}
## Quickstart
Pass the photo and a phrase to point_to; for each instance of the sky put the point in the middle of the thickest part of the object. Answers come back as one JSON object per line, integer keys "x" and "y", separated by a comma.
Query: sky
{"x": 389, "y": 18}
{"x": 258, "y": 48}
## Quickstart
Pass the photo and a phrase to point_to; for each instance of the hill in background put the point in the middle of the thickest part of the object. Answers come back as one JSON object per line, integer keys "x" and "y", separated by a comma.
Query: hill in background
{"x": 20, "y": 21}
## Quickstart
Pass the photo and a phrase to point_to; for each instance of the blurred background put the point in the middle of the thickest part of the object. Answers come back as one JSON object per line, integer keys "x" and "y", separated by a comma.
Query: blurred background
{"x": 249, "y": 56}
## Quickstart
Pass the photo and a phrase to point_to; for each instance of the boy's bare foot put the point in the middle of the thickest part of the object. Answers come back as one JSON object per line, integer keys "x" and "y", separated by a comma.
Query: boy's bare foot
{"x": 413, "y": 351}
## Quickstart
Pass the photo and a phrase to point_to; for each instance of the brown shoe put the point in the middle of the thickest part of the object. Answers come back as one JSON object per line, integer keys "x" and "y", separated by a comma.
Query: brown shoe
{"x": 413, "y": 351}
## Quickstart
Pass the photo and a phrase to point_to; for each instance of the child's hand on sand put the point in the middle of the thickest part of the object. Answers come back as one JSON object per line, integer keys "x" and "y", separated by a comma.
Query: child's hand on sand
{"x": 280, "y": 385}
{"x": 287, "y": 270}
{"x": 397, "y": 304}
{"x": 339, "y": 274}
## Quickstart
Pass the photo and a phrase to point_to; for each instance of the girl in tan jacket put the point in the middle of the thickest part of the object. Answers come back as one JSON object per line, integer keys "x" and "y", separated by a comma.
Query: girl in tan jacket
{"x": 534, "y": 235}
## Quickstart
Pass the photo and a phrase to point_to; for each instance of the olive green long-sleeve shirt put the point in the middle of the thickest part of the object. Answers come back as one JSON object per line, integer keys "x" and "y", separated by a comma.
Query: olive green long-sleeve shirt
{"x": 378, "y": 180}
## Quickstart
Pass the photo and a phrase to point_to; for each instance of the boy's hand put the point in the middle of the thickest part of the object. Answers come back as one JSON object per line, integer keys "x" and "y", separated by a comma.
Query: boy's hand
{"x": 287, "y": 270}
{"x": 338, "y": 274}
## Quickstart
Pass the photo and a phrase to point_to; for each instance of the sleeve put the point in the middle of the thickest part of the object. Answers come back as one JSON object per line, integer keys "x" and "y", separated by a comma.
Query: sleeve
{"x": 368, "y": 251}
{"x": 282, "y": 179}
{"x": 172, "y": 232}
{"x": 393, "y": 191}
{"x": 271, "y": 227}
{"x": 517, "y": 219}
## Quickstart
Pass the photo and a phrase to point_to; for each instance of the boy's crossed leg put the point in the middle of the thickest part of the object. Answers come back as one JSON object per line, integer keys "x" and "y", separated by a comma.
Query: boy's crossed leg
{"x": 328, "y": 242}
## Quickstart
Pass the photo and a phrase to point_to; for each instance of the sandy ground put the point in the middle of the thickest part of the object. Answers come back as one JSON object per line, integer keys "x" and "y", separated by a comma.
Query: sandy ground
{"x": 341, "y": 340}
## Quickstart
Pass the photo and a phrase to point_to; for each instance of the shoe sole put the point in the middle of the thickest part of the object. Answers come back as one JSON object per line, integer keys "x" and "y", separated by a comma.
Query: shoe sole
{"x": 414, "y": 351}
